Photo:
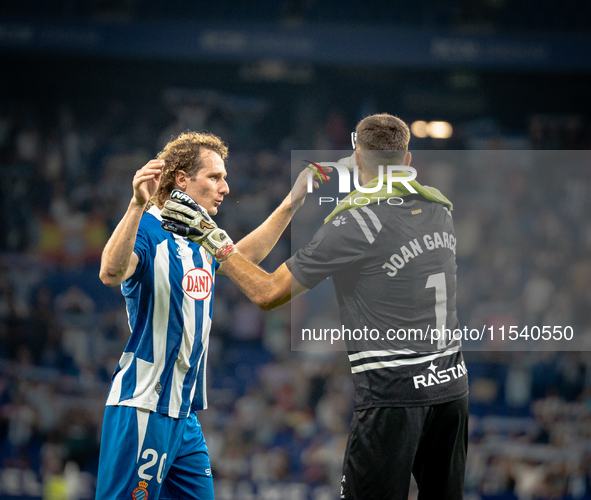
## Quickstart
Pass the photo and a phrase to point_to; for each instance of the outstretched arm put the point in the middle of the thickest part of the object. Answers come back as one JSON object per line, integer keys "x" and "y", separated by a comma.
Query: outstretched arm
{"x": 267, "y": 291}
{"x": 257, "y": 245}
{"x": 119, "y": 261}
{"x": 185, "y": 218}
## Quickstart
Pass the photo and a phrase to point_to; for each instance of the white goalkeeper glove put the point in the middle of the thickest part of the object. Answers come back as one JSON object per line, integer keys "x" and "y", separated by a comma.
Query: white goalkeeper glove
{"x": 349, "y": 162}
{"x": 184, "y": 216}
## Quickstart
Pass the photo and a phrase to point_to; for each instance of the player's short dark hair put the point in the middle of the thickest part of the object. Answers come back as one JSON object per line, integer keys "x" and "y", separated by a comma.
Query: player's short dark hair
{"x": 382, "y": 132}
{"x": 184, "y": 153}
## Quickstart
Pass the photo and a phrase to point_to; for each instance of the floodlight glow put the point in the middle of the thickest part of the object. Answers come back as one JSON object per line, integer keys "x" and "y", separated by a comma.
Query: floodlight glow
{"x": 419, "y": 129}
{"x": 439, "y": 130}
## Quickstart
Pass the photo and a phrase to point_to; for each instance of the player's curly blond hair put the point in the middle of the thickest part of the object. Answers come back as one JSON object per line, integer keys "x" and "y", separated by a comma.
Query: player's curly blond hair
{"x": 184, "y": 153}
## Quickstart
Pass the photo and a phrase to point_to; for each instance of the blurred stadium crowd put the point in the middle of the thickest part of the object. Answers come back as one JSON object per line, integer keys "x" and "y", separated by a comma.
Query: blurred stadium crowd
{"x": 278, "y": 420}
{"x": 501, "y": 15}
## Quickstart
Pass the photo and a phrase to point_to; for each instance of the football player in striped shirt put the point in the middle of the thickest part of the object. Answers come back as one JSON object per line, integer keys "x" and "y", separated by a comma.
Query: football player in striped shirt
{"x": 152, "y": 445}
{"x": 394, "y": 271}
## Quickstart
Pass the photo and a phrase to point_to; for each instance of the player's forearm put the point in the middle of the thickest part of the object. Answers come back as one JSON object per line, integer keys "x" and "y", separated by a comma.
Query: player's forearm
{"x": 118, "y": 250}
{"x": 262, "y": 288}
{"x": 257, "y": 245}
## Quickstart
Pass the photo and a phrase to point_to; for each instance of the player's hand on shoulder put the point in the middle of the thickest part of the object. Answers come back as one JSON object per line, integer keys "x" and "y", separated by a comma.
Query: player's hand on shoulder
{"x": 145, "y": 181}
{"x": 182, "y": 215}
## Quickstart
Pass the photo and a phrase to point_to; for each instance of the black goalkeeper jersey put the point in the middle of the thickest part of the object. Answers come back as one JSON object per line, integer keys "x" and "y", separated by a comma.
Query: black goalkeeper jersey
{"x": 394, "y": 271}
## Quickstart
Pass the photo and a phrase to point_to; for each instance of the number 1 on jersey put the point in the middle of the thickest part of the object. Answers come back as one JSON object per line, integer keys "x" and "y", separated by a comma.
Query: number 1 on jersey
{"x": 437, "y": 281}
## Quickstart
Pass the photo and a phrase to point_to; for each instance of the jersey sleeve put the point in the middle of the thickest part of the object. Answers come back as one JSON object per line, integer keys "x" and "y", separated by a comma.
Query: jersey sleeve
{"x": 142, "y": 250}
{"x": 339, "y": 243}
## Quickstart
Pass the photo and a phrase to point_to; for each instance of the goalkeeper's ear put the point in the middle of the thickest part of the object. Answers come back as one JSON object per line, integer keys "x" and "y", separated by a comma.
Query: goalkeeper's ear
{"x": 407, "y": 158}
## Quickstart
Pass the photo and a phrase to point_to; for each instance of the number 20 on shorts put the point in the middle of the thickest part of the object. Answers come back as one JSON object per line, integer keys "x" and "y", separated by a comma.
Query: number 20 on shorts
{"x": 153, "y": 458}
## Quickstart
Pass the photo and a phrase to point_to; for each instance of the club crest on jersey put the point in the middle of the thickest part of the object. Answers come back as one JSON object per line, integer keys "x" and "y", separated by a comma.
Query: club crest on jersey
{"x": 140, "y": 493}
{"x": 208, "y": 257}
{"x": 197, "y": 283}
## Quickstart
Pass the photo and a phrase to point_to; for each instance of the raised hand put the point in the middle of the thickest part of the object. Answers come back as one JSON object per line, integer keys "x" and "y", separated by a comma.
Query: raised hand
{"x": 145, "y": 181}
{"x": 300, "y": 187}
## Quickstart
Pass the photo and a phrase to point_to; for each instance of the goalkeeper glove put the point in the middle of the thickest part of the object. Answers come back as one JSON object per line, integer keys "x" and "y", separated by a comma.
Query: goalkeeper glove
{"x": 183, "y": 216}
{"x": 349, "y": 162}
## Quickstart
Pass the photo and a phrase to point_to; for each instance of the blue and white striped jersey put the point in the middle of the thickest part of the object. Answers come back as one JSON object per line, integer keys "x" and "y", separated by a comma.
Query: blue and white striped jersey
{"x": 169, "y": 301}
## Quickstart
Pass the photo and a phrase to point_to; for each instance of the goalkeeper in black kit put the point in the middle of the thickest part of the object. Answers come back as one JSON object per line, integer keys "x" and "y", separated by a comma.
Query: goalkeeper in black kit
{"x": 394, "y": 269}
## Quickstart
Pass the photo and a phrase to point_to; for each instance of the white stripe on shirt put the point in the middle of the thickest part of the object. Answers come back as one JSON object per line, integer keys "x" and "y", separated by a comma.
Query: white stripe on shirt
{"x": 373, "y": 217}
{"x": 362, "y": 225}
{"x": 205, "y": 329}
{"x": 403, "y": 362}
{"x": 373, "y": 354}
{"x": 148, "y": 374}
{"x": 115, "y": 392}
{"x": 183, "y": 361}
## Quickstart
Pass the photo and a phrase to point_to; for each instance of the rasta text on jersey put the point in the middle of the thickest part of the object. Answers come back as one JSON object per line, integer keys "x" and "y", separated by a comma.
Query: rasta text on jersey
{"x": 437, "y": 377}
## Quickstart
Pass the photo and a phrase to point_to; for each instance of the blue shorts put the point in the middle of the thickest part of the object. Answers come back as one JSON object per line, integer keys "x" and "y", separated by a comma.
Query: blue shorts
{"x": 146, "y": 455}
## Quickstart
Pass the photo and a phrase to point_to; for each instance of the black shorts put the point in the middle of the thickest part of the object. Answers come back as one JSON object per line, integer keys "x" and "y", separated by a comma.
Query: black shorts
{"x": 387, "y": 444}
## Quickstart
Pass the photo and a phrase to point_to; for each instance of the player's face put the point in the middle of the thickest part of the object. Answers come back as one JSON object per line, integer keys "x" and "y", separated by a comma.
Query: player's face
{"x": 208, "y": 187}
